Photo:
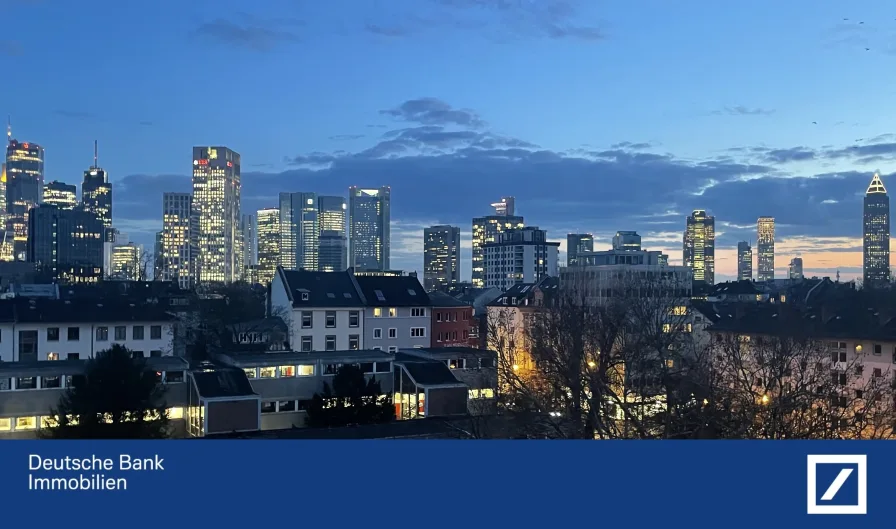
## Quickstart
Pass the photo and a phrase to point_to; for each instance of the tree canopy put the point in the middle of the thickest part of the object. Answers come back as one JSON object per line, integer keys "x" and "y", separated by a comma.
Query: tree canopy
{"x": 351, "y": 400}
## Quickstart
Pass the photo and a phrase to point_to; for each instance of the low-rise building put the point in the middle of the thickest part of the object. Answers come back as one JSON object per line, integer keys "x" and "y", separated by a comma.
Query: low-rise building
{"x": 397, "y": 312}
{"x": 452, "y": 322}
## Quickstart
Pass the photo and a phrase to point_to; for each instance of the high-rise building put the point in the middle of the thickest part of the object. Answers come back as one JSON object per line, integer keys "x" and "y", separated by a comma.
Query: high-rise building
{"x": 441, "y": 257}
{"x": 331, "y": 255}
{"x": 216, "y": 202}
{"x": 3, "y": 196}
{"x": 299, "y": 231}
{"x": 178, "y": 258}
{"x": 269, "y": 240}
{"x": 61, "y": 195}
{"x": 765, "y": 249}
{"x": 157, "y": 256}
{"x": 65, "y": 245}
{"x": 577, "y": 244}
{"x": 627, "y": 241}
{"x": 331, "y": 213}
{"x": 796, "y": 268}
{"x": 521, "y": 255}
{"x": 744, "y": 261}
{"x": 486, "y": 230}
{"x": 250, "y": 242}
{"x": 876, "y": 235}
{"x": 126, "y": 265}
{"x": 369, "y": 228}
{"x": 700, "y": 246}
{"x": 24, "y": 189}
{"x": 96, "y": 194}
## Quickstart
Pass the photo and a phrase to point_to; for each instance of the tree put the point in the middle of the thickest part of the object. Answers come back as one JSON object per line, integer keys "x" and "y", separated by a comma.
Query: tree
{"x": 221, "y": 307}
{"x": 116, "y": 398}
{"x": 353, "y": 399}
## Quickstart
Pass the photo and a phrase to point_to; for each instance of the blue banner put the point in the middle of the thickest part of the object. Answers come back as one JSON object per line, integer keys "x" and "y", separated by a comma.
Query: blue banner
{"x": 463, "y": 484}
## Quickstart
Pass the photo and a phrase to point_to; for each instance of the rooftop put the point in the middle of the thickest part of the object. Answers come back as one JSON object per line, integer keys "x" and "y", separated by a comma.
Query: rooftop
{"x": 41, "y": 310}
{"x": 222, "y": 382}
{"x": 393, "y": 291}
{"x": 320, "y": 289}
{"x": 441, "y": 299}
{"x": 278, "y": 358}
{"x": 427, "y": 372}
{"x": 77, "y": 367}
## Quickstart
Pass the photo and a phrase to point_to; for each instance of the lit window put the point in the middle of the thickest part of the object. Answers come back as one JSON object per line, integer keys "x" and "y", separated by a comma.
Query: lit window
{"x": 487, "y": 393}
{"x": 5, "y": 424}
{"x": 48, "y": 421}
{"x": 393, "y": 312}
{"x": 52, "y": 356}
{"x": 306, "y": 370}
{"x": 474, "y": 393}
{"x": 175, "y": 413}
{"x": 667, "y": 327}
{"x": 250, "y": 372}
{"x": 26, "y": 423}
{"x": 267, "y": 372}
{"x": 679, "y": 311}
{"x": 287, "y": 371}
{"x": 377, "y": 312}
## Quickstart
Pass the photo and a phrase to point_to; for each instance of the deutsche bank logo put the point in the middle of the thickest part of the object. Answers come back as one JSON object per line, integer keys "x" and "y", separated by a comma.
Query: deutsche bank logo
{"x": 837, "y": 484}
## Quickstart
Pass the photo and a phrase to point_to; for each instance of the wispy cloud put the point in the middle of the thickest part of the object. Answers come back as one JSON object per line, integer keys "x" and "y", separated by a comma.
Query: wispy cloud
{"x": 741, "y": 110}
{"x": 346, "y": 137}
{"x": 75, "y": 114}
{"x": 248, "y": 32}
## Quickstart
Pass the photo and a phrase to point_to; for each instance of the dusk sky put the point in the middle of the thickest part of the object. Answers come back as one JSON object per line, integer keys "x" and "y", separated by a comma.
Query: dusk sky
{"x": 597, "y": 116}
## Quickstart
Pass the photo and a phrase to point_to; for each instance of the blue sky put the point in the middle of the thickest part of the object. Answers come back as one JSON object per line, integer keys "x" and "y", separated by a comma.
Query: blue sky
{"x": 597, "y": 115}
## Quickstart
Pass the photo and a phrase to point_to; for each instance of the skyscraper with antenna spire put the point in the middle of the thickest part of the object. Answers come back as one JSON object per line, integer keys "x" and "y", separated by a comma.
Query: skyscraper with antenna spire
{"x": 24, "y": 188}
{"x": 96, "y": 194}
{"x": 876, "y": 235}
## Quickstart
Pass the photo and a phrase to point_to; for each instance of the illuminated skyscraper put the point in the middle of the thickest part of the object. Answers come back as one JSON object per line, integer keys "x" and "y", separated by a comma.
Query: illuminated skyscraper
{"x": 2, "y": 196}
{"x": 96, "y": 194}
{"x": 577, "y": 244}
{"x": 216, "y": 202}
{"x": 876, "y": 235}
{"x": 126, "y": 265}
{"x": 61, "y": 195}
{"x": 369, "y": 228}
{"x": 441, "y": 257}
{"x": 700, "y": 246}
{"x": 744, "y": 261}
{"x": 178, "y": 260}
{"x": 299, "y": 231}
{"x": 250, "y": 241}
{"x": 765, "y": 248}
{"x": 269, "y": 243}
{"x": 796, "y": 268}
{"x": 24, "y": 188}
{"x": 331, "y": 213}
{"x": 486, "y": 230}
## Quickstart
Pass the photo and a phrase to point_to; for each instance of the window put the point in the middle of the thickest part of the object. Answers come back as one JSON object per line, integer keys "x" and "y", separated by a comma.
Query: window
{"x": 173, "y": 377}
{"x": 418, "y": 312}
{"x": 26, "y": 423}
{"x": 102, "y": 334}
{"x": 52, "y": 356}
{"x": 269, "y": 406}
{"x": 418, "y": 332}
{"x": 393, "y": 349}
{"x": 286, "y": 405}
{"x": 453, "y": 316}
{"x": 175, "y": 413}
{"x": 859, "y": 393}
{"x": 331, "y": 369}
{"x": 439, "y": 337}
{"x": 377, "y": 334}
{"x": 155, "y": 354}
{"x": 53, "y": 334}
{"x": 486, "y": 362}
{"x": 457, "y": 363}
{"x": 136, "y": 354}
{"x": 306, "y": 370}
{"x": 393, "y": 333}
{"x": 466, "y": 316}
{"x": 267, "y": 372}
{"x": 383, "y": 367}
{"x": 137, "y": 332}
{"x": 377, "y": 312}
{"x": 843, "y": 356}
{"x": 354, "y": 319}
{"x": 287, "y": 371}
{"x": 877, "y": 372}
{"x": 306, "y": 344}
{"x": 27, "y": 346}
{"x": 877, "y": 349}
{"x": 73, "y": 356}
{"x": 393, "y": 312}
{"x": 250, "y": 372}
{"x": 439, "y": 317}
{"x": 26, "y": 383}
{"x": 74, "y": 333}
{"x": 330, "y": 344}
{"x": 307, "y": 319}
{"x": 366, "y": 367}
{"x": 5, "y": 384}
{"x": 859, "y": 369}
{"x": 305, "y": 296}
{"x": 487, "y": 393}
{"x": 121, "y": 332}
{"x": 50, "y": 382}
{"x": 155, "y": 332}
{"x": 5, "y": 424}
{"x": 354, "y": 342}
{"x": 331, "y": 319}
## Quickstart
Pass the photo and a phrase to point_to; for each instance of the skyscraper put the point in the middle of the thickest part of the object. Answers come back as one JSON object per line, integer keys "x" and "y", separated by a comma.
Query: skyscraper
{"x": 125, "y": 263}
{"x": 96, "y": 194}
{"x": 700, "y": 246}
{"x": 796, "y": 268}
{"x": 24, "y": 188}
{"x": 331, "y": 213}
{"x": 744, "y": 261}
{"x": 157, "y": 257}
{"x": 331, "y": 254}
{"x": 576, "y": 244}
{"x": 876, "y": 235}
{"x": 216, "y": 202}
{"x": 178, "y": 258}
{"x": 250, "y": 241}
{"x": 441, "y": 257}
{"x": 369, "y": 228}
{"x": 486, "y": 230}
{"x": 520, "y": 256}
{"x": 765, "y": 247}
{"x": 61, "y": 195}
{"x": 299, "y": 231}
{"x": 269, "y": 241}
{"x": 66, "y": 245}
{"x": 3, "y": 196}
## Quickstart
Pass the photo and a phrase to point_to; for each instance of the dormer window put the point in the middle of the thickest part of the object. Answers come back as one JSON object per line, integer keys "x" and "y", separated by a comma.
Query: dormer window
{"x": 304, "y": 296}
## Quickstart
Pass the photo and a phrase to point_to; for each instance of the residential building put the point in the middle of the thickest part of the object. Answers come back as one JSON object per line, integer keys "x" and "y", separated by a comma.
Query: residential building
{"x": 397, "y": 313}
{"x": 479, "y": 298}
{"x": 96, "y": 194}
{"x": 452, "y": 322}
{"x": 179, "y": 251}
{"x": 699, "y": 246}
{"x": 216, "y": 202}
{"x": 331, "y": 251}
{"x": 509, "y": 315}
{"x": 66, "y": 245}
{"x": 876, "y": 235}
{"x": 796, "y": 268}
{"x": 61, "y": 195}
{"x": 505, "y": 207}
{"x": 249, "y": 228}
{"x": 24, "y": 189}
{"x": 765, "y": 247}
{"x": 744, "y": 261}
{"x": 299, "y": 231}
{"x": 369, "y": 228}
{"x": 627, "y": 241}
{"x": 441, "y": 257}
{"x": 520, "y": 256}
{"x": 577, "y": 244}
{"x": 269, "y": 240}
{"x": 485, "y": 231}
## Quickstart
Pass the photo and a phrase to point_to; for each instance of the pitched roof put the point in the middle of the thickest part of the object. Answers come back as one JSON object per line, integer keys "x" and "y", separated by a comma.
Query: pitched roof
{"x": 847, "y": 321}
{"x": 734, "y": 288}
{"x": 222, "y": 382}
{"x": 320, "y": 289}
{"x": 393, "y": 291}
{"x": 426, "y": 372}
{"x": 24, "y": 310}
{"x": 441, "y": 299}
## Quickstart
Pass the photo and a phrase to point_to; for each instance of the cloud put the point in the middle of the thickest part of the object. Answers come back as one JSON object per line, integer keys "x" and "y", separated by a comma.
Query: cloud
{"x": 346, "y": 137}
{"x": 74, "y": 114}
{"x": 795, "y": 154}
{"x": 249, "y": 33}
{"x": 741, "y": 110}
{"x": 432, "y": 111}
{"x": 387, "y": 31}
{"x": 11, "y": 48}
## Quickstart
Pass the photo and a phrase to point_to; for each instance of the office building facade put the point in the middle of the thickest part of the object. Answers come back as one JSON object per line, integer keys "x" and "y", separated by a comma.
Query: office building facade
{"x": 24, "y": 189}
{"x": 332, "y": 251}
{"x": 299, "y": 231}
{"x": 66, "y": 245}
{"x": 269, "y": 243}
{"x": 126, "y": 263}
{"x": 96, "y": 194}
{"x": 521, "y": 255}
{"x": 369, "y": 228}
{"x": 699, "y": 253}
{"x": 441, "y": 257}
{"x": 876, "y": 234}
{"x": 744, "y": 261}
{"x": 486, "y": 230}
{"x": 61, "y": 195}
{"x": 249, "y": 229}
{"x": 765, "y": 249}
{"x": 577, "y": 244}
{"x": 216, "y": 202}
{"x": 178, "y": 259}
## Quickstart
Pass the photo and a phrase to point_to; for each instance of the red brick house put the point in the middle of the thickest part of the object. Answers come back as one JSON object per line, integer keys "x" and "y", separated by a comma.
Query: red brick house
{"x": 452, "y": 322}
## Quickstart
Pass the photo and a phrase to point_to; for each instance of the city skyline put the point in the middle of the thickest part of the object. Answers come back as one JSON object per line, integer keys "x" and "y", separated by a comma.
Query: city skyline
{"x": 798, "y": 153}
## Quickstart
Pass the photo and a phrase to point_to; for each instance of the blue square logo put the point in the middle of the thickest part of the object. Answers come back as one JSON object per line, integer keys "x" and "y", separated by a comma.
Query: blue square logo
{"x": 837, "y": 484}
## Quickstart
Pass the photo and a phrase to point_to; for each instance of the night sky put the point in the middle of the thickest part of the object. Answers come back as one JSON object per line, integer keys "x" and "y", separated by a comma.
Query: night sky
{"x": 597, "y": 115}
